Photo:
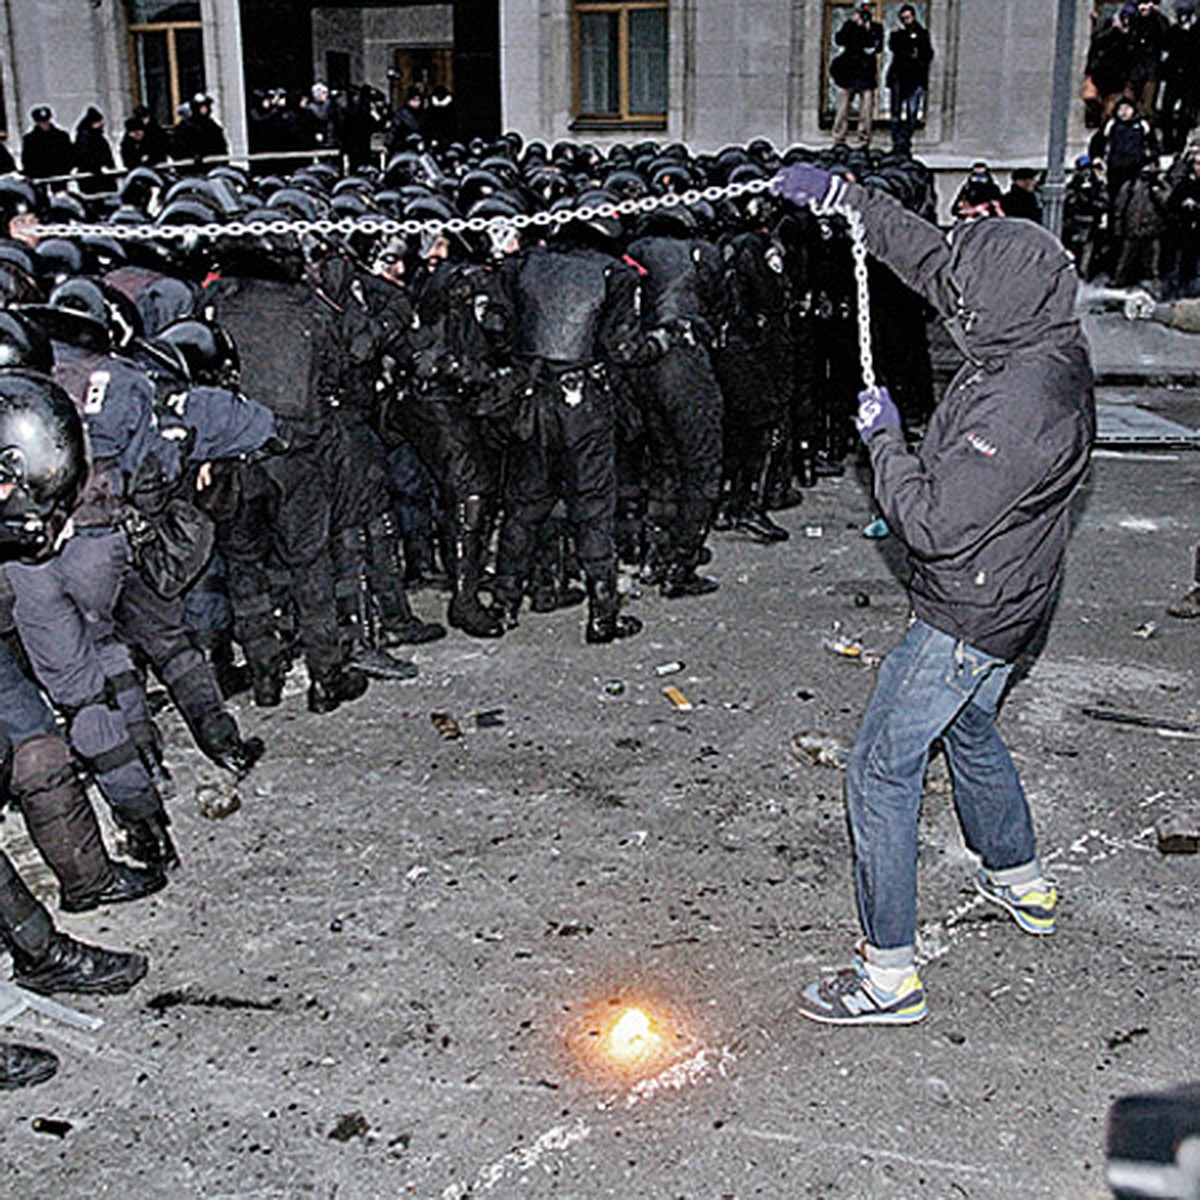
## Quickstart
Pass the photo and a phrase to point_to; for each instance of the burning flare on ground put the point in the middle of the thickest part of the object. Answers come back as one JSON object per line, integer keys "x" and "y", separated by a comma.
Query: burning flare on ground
{"x": 633, "y": 1039}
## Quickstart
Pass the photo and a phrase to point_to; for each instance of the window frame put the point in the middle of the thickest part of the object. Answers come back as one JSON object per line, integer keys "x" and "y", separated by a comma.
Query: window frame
{"x": 624, "y": 118}
{"x": 170, "y": 28}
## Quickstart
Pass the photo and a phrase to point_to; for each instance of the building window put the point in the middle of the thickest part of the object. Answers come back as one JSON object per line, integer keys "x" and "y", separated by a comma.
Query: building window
{"x": 167, "y": 57}
{"x": 837, "y": 13}
{"x": 621, "y": 63}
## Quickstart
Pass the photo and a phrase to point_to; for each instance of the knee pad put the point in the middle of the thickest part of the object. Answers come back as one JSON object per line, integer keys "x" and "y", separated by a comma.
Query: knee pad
{"x": 40, "y": 765}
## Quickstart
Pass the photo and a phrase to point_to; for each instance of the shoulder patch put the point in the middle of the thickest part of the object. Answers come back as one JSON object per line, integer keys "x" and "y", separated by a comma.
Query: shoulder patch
{"x": 982, "y": 445}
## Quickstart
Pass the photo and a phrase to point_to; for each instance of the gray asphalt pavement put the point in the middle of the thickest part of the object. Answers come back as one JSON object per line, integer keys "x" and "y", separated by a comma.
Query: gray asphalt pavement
{"x": 394, "y": 970}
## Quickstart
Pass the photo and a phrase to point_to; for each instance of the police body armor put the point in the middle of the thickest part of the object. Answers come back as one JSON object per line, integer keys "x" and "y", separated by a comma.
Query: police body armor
{"x": 672, "y": 289}
{"x": 280, "y": 333}
{"x": 560, "y": 302}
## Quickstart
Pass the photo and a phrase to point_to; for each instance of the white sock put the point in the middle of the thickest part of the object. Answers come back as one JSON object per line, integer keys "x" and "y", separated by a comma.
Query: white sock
{"x": 1039, "y": 884}
{"x": 888, "y": 979}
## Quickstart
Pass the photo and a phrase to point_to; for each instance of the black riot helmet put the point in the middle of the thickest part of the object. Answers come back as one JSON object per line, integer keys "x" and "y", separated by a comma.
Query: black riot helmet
{"x": 143, "y": 189}
{"x": 210, "y": 353}
{"x": 601, "y": 224}
{"x": 434, "y": 210}
{"x": 43, "y": 464}
{"x": 57, "y": 259}
{"x": 668, "y": 220}
{"x": 298, "y": 203}
{"x": 102, "y": 254}
{"x": 87, "y": 313}
{"x": 17, "y": 198}
{"x": 502, "y": 235}
{"x": 19, "y": 254}
{"x": 475, "y": 185}
{"x": 64, "y": 208}
{"x": 18, "y": 286}
{"x": 23, "y": 344}
{"x": 627, "y": 184}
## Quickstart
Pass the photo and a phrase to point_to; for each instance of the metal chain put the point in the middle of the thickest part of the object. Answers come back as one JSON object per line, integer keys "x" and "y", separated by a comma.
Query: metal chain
{"x": 858, "y": 248}
{"x": 328, "y": 227}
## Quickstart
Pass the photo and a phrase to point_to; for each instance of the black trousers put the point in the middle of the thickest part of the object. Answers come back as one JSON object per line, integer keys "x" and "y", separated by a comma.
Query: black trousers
{"x": 571, "y": 454}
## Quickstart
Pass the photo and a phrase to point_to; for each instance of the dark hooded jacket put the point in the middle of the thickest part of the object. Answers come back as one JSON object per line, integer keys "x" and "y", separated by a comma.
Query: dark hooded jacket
{"x": 983, "y": 504}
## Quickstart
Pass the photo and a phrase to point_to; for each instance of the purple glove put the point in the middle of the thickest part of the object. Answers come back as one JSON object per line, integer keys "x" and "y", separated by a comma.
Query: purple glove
{"x": 803, "y": 183}
{"x": 875, "y": 412}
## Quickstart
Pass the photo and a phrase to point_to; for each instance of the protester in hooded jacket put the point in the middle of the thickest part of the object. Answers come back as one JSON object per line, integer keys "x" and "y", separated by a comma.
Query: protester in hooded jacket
{"x": 983, "y": 507}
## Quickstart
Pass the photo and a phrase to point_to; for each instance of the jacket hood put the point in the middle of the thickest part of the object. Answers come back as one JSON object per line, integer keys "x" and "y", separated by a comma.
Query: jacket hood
{"x": 1015, "y": 285}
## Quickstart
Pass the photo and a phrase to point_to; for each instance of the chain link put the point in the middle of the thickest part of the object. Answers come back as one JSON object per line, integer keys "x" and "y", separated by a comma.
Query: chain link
{"x": 858, "y": 248}
{"x": 383, "y": 225}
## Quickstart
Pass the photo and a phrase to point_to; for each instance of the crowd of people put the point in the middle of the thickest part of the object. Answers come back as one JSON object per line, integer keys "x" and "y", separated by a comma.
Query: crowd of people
{"x": 1132, "y": 212}
{"x": 49, "y": 153}
{"x": 356, "y": 122}
{"x": 288, "y": 430}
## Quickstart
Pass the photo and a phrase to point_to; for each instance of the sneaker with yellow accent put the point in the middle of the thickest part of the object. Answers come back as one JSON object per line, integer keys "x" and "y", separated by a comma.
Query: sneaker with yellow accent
{"x": 850, "y": 998}
{"x": 1032, "y": 906}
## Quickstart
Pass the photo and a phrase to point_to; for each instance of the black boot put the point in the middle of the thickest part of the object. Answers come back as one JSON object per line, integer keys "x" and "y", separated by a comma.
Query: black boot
{"x": 760, "y": 527}
{"x": 683, "y": 581}
{"x": 71, "y": 966}
{"x": 267, "y": 686}
{"x": 358, "y": 619}
{"x": 421, "y": 567}
{"x": 397, "y": 624}
{"x": 232, "y": 678}
{"x": 606, "y": 623}
{"x": 549, "y": 587}
{"x": 127, "y": 884}
{"x": 658, "y": 553}
{"x": 148, "y": 841}
{"x": 24, "y": 1066}
{"x": 465, "y": 611}
{"x": 218, "y": 737}
{"x": 753, "y": 518}
{"x": 327, "y": 692}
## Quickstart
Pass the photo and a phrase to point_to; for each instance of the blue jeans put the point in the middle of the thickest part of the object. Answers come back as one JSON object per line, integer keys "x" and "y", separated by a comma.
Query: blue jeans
{"x": 930, "y": 686}
{"x": 906, "y": 108}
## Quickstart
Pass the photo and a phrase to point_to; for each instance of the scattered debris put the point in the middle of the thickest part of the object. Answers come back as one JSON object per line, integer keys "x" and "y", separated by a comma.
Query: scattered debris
{"x": 877, "y": 529}
{"x": 1146, "y": 630}
{"x": 669, "y": 668}
{"x": 813, "y": 531}
{"x": 805, "y": 694}
{"x": 677, "y": 698}
{"x": 615, "y": 687}
{"x": 492, "y": 718}
{"x": 862, "y": 600}
{"x": 52, "y": 1126}
{"x": 1124, "y": 1038}
{"x": 819, "y": 749}
{"x": 216, "y": 802}
{"x": 350, "y": 1125}
{"x": 446, "y": 725}
{"x": 1179, "y": 833}
{"x": 182, "y": 997}
{"x": 848, "y": 647}
{"x": 1167, "y": 726}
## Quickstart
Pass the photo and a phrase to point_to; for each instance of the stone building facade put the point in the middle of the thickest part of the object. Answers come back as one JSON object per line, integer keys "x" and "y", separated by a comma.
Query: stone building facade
{"x": 704, "y": 72}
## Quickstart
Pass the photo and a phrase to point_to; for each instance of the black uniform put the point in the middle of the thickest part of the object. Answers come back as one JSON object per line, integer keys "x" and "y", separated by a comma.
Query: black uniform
{"x": 754, "y": 363}
{"x": 576, "y": 319}
{"x": 367, "y": 554}
{"x": 462, "y": 381}
{"x": 281, "y": 507}
{"x": 46, "y": 153}
{"x": 683, "y": 289}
